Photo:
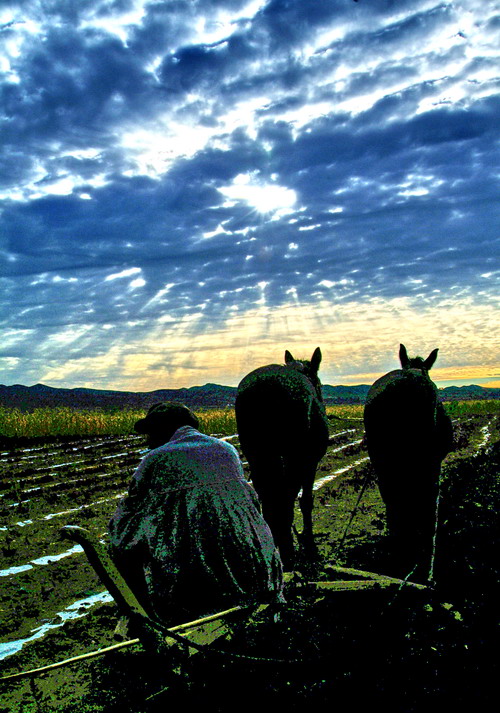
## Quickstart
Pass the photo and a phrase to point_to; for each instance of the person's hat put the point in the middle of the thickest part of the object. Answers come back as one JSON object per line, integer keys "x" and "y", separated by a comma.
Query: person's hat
{"x": 168, "y": 415}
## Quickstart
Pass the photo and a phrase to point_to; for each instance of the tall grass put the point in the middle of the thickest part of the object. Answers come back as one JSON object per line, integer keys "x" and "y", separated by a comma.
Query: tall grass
{"x": 347, "y": 411}
{"x": 64, "y": 421}
{"x": 456, "y": 409}
{"x": 217, "y": 422}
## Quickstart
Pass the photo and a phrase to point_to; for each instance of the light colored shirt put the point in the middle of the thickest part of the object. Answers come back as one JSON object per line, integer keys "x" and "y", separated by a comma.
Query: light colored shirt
{"x": 190, "y": 536}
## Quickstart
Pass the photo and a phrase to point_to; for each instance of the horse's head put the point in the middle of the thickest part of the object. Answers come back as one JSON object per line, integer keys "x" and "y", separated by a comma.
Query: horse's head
{"x": 307, "y": 367}
{"x": 424, "y": 365}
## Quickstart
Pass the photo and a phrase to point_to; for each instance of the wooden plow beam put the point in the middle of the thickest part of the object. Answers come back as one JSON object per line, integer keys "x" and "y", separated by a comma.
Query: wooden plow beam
{"x": 201, "y": 632}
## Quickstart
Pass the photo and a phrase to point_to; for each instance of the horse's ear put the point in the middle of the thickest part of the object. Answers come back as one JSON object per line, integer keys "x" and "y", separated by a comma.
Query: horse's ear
{"x": 403, "y": 356}
{"x": 288, "y": 357}
{"x": 431, "y": 359}
{"x": 316, "y": 359}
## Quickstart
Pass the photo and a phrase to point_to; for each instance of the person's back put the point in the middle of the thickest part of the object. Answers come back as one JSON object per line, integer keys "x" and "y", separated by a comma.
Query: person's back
{"x": 190, "y": 538}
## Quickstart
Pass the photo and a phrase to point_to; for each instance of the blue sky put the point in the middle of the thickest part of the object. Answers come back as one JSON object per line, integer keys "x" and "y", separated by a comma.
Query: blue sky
{"x": 190, "y": 187}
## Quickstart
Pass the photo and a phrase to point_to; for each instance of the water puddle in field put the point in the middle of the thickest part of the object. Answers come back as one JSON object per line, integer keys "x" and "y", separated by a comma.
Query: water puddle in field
{"x": 51, "y": 515}
{"x": 70, "y": 462}
{"x": 83, "y": 460}
{"x": 11, "y": 454}
{"x": 48, "y": 559}
{"x": 346, "y": 445}
{"x": 15, "y": 570}
{"x": 486, "y": 436}
{"x": 40, "y": 561}
{"x": 327, "y": 478}
{"x": 21, "y": 523}
{"x": 334, "y": 436}
{"x": 82, "y": 507}
{"x": 20, "y": 502}
{"x": 76, "y": 610}
{"x": 77, "y": 480}
{"x": 46, "y": 486}
{"x": 31, "y": 453}
{"x": 71, "y": 446}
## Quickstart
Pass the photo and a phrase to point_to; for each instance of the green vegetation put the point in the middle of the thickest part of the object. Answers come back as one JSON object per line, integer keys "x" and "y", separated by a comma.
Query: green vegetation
{"x": 456, "y": 409}
{"x": 63, "y": 421}
{"x": 217, "y": 421}
{"x": 347, "y": 411}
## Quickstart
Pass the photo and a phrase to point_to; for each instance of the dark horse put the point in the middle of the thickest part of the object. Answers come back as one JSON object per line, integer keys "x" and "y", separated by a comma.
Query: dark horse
{"x": 283, "y": 433}
{"x": 408, "y": 434}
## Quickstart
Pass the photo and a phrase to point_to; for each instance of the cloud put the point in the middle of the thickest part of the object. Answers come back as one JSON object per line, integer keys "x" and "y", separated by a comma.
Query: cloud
{"x": 359, "y": 341}
{"x": 191, "y": 163}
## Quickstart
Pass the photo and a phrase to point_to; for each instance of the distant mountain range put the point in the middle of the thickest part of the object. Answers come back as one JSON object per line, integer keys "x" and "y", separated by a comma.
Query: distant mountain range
{"x": 27, "y": 398}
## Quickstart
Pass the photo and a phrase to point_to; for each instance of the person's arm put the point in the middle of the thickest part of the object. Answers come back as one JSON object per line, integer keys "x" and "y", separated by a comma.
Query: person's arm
{"x": 131, "y": 504}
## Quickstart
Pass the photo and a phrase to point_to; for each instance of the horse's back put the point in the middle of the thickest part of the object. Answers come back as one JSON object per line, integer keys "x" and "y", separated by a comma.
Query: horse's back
{"x": 406, "y": 393}
{"x": 278, "y": 385}
{"x": 279, "y": 403}
{"x": 401, "y": 415}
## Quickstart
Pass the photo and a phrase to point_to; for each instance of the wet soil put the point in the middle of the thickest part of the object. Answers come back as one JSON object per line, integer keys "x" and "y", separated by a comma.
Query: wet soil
{"x": 403, "y": 650}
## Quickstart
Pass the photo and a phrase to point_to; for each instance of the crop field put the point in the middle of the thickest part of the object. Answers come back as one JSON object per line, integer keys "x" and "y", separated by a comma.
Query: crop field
{"x": 53, "y": 606}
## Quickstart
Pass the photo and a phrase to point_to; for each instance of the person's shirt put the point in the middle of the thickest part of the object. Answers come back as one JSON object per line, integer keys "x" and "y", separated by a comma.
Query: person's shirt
{"x": 190, "y": 532}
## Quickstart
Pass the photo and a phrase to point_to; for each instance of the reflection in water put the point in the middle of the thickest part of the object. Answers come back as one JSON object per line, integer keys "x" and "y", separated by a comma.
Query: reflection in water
{"x": 73, "y": 611}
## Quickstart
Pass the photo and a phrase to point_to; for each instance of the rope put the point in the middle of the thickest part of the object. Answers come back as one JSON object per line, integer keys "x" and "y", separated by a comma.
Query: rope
{"x": 353, "y": 514}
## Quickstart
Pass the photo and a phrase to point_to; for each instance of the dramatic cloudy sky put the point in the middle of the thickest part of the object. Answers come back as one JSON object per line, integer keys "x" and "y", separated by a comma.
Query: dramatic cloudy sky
{"x": 189, "y": 187}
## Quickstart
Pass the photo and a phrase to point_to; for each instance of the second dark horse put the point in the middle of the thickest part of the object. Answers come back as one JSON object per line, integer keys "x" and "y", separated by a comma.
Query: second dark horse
{"x": 408, "y": 433}
{"x": 283, "y": 431}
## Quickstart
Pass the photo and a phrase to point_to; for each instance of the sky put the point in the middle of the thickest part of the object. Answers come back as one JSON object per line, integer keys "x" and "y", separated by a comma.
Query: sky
{"x": 190, "y": 187}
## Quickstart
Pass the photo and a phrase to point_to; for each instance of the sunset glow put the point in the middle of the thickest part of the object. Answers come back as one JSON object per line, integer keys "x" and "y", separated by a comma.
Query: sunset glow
{"x": 189, "y": 189}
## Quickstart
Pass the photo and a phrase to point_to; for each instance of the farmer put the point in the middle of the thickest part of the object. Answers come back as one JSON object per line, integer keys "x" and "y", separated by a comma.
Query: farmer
{"x": 189, "y": 538}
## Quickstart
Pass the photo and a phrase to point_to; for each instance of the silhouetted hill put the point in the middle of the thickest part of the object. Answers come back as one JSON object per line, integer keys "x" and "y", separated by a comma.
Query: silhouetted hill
{"x": 468, "y": 393}
{"x": 345, "y": 394}
{"x": 27, "y": 398}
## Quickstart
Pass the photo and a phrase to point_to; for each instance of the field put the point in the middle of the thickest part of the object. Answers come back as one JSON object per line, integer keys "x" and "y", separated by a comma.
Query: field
{"x": 404, "y": 654}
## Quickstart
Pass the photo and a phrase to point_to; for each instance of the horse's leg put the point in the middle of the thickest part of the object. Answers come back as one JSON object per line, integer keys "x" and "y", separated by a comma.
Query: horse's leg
{"x": 276, "y": 502}
{"x": 277, "y": 509}
{"x": 411, "y": 499}
{"x": 306, "y": 502}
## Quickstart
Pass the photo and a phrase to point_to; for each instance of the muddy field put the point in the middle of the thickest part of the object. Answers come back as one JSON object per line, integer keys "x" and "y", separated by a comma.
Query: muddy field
{"x": 364, "y": 648}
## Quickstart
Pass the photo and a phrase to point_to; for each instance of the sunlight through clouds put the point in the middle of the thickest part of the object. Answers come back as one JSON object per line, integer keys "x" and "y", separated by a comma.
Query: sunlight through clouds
{"x": 117, "y": 24}
{"x": 264, "y": 197}
{"x": 124, "y": 273}
{"x": 359, "y": 342}
{"x": 153, "y": 150}
{"x": 189, "y": 188}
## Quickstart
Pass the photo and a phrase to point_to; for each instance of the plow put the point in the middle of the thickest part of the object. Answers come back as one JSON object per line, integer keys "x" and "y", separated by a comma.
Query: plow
{"x": 213, "y": 635}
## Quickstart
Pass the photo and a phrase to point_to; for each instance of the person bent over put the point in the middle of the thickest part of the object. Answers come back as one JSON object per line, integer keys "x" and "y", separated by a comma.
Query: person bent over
{"x": 189, "y": 537}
